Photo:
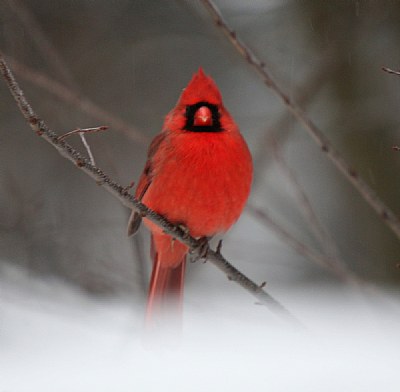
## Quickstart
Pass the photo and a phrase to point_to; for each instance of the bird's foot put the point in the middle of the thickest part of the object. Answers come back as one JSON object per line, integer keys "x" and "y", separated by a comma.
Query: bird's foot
{"x": 201, "y": 251}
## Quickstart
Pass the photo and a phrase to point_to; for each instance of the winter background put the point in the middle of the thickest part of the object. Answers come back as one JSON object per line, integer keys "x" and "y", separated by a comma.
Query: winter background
{"x": 73, "y": 286}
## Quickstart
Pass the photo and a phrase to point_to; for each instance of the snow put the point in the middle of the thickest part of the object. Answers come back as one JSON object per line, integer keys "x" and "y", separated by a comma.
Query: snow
{"x": 55, "y": 338}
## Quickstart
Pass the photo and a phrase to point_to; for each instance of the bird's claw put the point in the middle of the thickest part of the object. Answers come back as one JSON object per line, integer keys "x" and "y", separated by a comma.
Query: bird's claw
{"x": 185, "y": 230}
{"x": 201, "y": 250}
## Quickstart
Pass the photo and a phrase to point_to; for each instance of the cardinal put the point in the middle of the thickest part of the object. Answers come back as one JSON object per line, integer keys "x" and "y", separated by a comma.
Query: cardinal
{"x": 198, "y": 175}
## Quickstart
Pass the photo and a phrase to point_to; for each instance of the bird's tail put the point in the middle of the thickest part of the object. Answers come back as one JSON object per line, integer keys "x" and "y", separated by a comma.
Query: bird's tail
{"x": 165, "y": 295}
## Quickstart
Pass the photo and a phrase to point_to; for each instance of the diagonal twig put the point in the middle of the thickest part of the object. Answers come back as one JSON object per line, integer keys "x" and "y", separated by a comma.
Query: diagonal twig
{"x": 391, "y": 71}
{"x": 85, "y": 143}
{"x": 386, "y": 214}
{"x": 83, "y": 130}
{"x": 196, "y": 246}
{"x": 49, "y": 52}
{"x": 282, "y": 126}
{"x": 39, "y": 37}
{"x": 322, "y": 260}
{"x": 78, "y": 100}
{"x": 306, "y": 208}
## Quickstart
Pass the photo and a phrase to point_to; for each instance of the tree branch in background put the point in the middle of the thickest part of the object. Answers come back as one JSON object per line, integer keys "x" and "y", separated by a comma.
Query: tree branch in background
{"x": 40, "y": 39}
{"x": 387, "y": 215}
{"x": 70, "y": 89}
{"x": 282, "y": 125}
{"x": 49, "y": 52}
{"x": 78, "y": 100}
{"x": 391, "y": 71}
{"x": 197, "y": 246}
{"x": 317, "y": 257}
{"x": 319, "y": 230}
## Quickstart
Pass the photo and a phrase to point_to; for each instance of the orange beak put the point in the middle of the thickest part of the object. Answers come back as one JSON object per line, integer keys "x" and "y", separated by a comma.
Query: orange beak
{"x": 203, "y": 117}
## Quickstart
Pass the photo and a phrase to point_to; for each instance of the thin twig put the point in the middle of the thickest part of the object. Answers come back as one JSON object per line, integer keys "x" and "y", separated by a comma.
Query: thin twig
{"x": 319, "y": 258}
{"x": 49, "y": 52}
{"x": 81, "y": 102}
{"x": 349, "y": 172}
{"x": 391, "y": 71}
{"x": 83, "y": 130}
{"x": 282, "y": 126}
{"x": 88, "y": 149}
{"x": 306, "y": 208}
{"x": 196, "y": 246}
{"x": 341, "y": 271}
{"x": 130, "y": 186}
{"x": 39, "y": 37}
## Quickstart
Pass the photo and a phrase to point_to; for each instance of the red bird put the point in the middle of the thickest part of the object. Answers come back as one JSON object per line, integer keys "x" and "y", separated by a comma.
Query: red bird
{"x": 198, "y": 174}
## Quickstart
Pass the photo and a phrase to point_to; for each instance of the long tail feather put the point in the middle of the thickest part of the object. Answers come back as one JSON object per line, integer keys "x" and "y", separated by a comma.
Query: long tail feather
{"x": 165, "y": 295}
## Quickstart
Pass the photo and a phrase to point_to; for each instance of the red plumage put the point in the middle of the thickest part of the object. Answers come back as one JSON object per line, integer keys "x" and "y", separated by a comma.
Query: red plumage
{"x": 198, "y": 174}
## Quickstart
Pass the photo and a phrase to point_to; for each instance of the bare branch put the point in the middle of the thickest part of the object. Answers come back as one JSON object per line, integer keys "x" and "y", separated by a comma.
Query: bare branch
{"x": 196, "y": 246}
{"x": 339, "y": 269}
{"x": 391, "y": 71}
{"x": 81, "y": 132}
{"x": 88, "y": 149}
{"x": 84, "y": 130}
{"x": 387, "y": 215}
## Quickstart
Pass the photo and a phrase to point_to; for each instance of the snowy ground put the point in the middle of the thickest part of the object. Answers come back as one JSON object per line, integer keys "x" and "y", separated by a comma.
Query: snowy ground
{"x": 53, "y": 338}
